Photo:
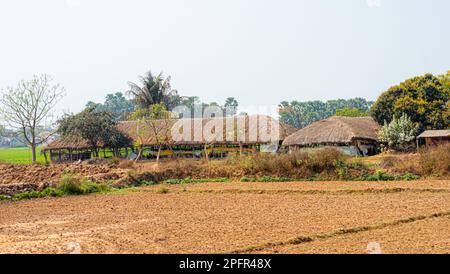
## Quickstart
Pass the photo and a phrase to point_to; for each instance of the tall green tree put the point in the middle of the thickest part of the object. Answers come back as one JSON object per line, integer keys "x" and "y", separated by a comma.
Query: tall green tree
{"x": 352, "y": 112}
{"x": 231, "y": 105}
{"x": 96, "y": 127}
{"x": 117, "y": 104}
{"x": 301, "y": 114}
{"x": 154, "y": 90}
{"x": 425, "y": 99}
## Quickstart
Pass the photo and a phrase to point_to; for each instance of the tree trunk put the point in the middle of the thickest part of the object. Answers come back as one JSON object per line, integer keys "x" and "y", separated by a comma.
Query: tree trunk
{"x": 158, "y": 155}
{"x": 33, "y": 152}
{"x": 139, "y": 154}
{"x": 206, "y": 153}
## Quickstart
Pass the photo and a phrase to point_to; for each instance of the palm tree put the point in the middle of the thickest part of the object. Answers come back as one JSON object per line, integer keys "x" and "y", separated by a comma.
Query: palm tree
{"x": 154, "y": 90}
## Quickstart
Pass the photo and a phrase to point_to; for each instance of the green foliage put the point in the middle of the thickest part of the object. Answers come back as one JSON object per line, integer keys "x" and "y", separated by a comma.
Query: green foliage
{"x": 70, "y": 185}
{"x": 153, "y": 112}
{"x": 91, "y": 187}
{"x": 385, "y": 176}
{"x": 148, "y": 183}
{"x": 301, "y": 114}
{"x": 190, "y": 181}
{"x": 163, "y": 190}
{"x": 231, "y": 105}
{"x": 154, "y": 90}
{"x": 52, "y": 192}
{"x": 352, "y": 112}
{"x": 246, "y": 179}
{"x": 95, "y": 127}
{"x": 425, "y": 99}
{"x": 116, "y": 104}
{"x": 269, "y": 179}
{"x": 399, "y": 133}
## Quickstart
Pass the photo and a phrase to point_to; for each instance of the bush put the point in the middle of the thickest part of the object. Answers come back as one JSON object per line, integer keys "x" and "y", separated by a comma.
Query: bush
{"x": 247, "y": 179}
{"x": 190, "y": 181}
{"x": 268, "y": 179}
{"x": 126, "y": 164}
{"x": 90, "y": 187}
{"x": 114, "y": 161}
{"x": 70, "y": 185}
{"x": 435, "y": 161}
{"x": 399, "y": 133}
{"x": 384, "y": 176}
{"x": 52, "y": 192}
{"x": 431, "y": 162}
{"x": 27, "y": 195}
{"x": 163, "y": 190}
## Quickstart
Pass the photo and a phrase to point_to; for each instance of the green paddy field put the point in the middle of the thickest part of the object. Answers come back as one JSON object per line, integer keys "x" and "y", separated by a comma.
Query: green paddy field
{"x": 19, "y": 155}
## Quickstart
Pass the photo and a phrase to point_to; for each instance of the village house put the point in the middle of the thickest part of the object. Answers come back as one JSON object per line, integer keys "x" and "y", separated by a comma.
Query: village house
{"x": 433, "y": 138}
{"x": 351, "y": 135}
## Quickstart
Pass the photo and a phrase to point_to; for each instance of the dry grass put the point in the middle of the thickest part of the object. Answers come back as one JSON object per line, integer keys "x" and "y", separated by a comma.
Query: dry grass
{"x": 432, "y": 162}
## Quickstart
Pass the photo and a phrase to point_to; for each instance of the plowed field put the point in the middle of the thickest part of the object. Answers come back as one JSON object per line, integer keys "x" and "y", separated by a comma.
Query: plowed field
{"x": 302, "y": 217}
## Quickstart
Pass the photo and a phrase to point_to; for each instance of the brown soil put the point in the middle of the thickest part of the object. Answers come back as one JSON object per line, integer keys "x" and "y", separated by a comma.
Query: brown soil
{"x": 20, "y": 178}
{"x": 423, "y": 236}
{"x": 233, "y": 217}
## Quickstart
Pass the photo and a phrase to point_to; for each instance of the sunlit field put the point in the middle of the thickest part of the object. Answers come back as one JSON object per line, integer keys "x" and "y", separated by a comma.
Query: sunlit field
{"x": 19, "y": 155}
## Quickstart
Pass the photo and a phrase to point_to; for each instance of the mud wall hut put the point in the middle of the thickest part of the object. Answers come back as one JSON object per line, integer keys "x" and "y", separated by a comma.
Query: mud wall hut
{"x": 432, "y": 138}
{"x": 351, "y": 135}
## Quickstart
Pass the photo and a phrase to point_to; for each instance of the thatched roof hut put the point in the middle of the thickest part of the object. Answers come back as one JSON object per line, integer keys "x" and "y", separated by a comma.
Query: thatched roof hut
{"x": 246, "y": 130}
{"x": 434, "y": 137}
{"x": 336, "y": 131}
{"x": 435, "y": 133}
{"x": 73, "y": 143}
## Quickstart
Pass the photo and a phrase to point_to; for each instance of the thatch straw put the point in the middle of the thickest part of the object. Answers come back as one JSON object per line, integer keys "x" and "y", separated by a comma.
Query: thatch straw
{"x": 335, "y": 130}
{"x": 435, "y": 133}
{"x": 160, "y": 132}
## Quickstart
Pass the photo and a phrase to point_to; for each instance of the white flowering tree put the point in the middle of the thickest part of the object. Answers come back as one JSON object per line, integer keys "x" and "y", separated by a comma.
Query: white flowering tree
{"x": 399, "y": 133}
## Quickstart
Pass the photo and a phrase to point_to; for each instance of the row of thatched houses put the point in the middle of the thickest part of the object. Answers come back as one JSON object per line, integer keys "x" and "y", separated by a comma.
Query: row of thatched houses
{"x": 217, "y": 137}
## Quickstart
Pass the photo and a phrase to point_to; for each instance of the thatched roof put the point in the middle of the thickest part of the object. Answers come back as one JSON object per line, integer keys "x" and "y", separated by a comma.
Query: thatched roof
{"x": 250, "y": 130}
{"x": 338, "y": 130}
{"x": 73, "y": 142}
{"x": 435, "y": 133}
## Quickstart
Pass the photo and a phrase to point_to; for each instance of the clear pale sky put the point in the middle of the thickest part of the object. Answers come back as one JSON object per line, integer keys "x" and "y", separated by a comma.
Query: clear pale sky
{"x": 259, "y": 51}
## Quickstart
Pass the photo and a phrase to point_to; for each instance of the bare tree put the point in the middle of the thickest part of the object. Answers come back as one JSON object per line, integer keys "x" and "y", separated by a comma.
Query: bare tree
{"x": 154, "y": 126}
{"x": 28, "y": 107}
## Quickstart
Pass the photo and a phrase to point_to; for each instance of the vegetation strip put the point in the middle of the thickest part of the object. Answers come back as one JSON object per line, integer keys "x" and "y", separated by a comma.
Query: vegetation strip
{"x": 318, "y": 192}
{"x": 340, "y": 232}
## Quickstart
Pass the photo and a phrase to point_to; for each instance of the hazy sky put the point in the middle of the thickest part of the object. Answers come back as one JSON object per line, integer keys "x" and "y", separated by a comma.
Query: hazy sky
{"x": 259, "y": 51}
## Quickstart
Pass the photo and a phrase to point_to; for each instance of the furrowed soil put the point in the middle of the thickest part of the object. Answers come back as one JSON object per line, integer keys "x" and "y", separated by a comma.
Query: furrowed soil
{"x": 300, "y": 217}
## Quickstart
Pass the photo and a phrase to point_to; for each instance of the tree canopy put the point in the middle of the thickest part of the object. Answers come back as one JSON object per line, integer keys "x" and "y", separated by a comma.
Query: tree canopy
{"x": 154, "y": 90}
{"x": 425, "y": 99}
{"x": 115, "y": 103}
{"x": 28, "y": 108}
{"x": 352, "y": 112}
{"x": 301, "y": 114}
{"x": 96, "y": 127}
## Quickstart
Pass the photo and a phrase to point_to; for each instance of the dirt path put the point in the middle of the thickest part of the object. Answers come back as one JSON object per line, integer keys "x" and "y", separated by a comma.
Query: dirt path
{"x": 215, "y": 217}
